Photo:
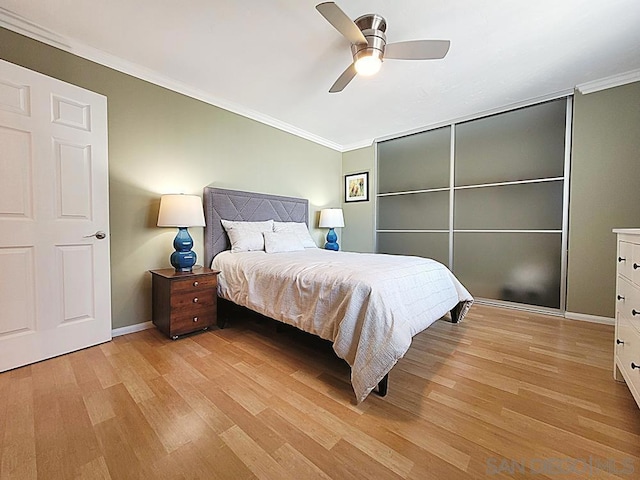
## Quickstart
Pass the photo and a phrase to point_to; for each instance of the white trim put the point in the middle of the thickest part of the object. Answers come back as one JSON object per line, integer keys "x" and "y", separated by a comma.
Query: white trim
{"x": 20, "y": 25}
{"x": 609, "y": 82}
{"x": 589, "y": 318}
{"x": 138, "y": 327}
{"x": 358, "y": 145}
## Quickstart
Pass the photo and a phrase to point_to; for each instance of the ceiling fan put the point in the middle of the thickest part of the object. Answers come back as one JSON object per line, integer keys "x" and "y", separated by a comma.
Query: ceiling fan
{"x": 369, "y": 44}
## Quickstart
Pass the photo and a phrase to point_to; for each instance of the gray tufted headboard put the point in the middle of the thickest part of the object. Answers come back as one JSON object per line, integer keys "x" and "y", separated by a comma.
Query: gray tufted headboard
{"x": 220, "y": 203}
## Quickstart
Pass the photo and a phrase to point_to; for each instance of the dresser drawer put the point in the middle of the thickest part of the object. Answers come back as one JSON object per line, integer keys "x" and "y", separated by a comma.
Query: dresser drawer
{"x": 628, "y": 302}
{"x": 628, "y": 354}
{"x": 625, "y": 259}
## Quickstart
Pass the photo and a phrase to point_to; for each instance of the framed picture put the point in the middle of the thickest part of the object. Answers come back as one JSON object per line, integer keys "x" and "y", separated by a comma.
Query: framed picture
{"x": 356, "y": 187}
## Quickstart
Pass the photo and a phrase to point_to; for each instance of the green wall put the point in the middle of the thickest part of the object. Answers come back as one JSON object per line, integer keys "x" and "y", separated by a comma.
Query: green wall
{"x": 359, "y": 217}
{"x": 605, "y": 193}
{"x": 164, "y": 142}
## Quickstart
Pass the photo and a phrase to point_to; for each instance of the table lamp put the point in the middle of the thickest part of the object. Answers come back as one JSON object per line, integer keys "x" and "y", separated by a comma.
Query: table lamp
{"x": 182, "y": 211}
{"x": 331, "y": 218}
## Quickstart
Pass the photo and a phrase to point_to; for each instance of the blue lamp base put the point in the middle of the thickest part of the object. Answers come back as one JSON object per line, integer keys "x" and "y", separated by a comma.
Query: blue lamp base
{"x": 332, "y": 240}
{"x": 183, "y": 259}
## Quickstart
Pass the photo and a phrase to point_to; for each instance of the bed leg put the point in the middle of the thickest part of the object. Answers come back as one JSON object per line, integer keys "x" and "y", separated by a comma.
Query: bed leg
{"x": 224, "y": 311}
{"x": 455, "y": 313}
{"x": 383, "y": 386}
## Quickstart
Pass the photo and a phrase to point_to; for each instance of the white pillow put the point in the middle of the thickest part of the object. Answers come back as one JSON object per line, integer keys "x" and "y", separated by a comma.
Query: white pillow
{"x": 276, "y": 242}
{"x": 299, "y": 229}
{"x": 246, "y": 236}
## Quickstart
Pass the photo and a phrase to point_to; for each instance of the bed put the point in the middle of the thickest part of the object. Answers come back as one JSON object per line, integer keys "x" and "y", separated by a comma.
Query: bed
{"x": 368, "y": 305}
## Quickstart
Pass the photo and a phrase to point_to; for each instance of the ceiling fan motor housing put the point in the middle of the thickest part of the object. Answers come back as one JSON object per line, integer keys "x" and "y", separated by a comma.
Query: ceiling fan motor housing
{"x": 373, "y": 27}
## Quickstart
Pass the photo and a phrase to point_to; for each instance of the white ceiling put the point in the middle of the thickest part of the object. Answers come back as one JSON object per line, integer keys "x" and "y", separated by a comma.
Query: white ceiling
{"x": 275, "y": 60}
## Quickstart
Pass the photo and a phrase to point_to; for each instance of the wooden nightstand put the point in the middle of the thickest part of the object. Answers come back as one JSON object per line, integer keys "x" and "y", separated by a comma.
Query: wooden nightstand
{"x": 184, "y": 302}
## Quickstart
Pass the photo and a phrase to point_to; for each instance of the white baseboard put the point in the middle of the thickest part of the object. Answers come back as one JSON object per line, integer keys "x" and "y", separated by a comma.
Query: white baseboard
{"x": 138, "y": 327}
{"x": 589, "y": 318}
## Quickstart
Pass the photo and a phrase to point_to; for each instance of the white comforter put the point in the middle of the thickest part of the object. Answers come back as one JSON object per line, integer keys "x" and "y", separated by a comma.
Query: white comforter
{"x": 369, "y": 305}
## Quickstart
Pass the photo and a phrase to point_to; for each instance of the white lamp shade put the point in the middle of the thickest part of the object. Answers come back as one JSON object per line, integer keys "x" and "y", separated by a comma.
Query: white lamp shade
{"x": 331, "y": 218}
{"x": 180, "y": 211}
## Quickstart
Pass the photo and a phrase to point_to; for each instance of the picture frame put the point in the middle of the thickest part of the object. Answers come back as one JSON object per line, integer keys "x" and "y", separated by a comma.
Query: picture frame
{"x": 356, "y": 187}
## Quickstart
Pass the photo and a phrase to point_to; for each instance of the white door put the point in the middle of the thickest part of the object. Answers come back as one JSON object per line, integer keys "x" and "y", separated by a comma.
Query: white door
{"x": 54, "y": 276}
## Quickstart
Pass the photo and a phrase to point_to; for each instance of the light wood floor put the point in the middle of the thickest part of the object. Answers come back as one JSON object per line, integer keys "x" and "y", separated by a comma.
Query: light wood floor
{"x": 502, "y": 395}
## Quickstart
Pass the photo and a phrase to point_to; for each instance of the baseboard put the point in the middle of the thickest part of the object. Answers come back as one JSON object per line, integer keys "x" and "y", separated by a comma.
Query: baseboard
{"x": 589, "y": 318}
{"x": 138, "y": 327}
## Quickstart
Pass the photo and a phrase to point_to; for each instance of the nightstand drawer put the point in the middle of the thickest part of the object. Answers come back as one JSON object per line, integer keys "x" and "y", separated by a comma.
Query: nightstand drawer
{"x": 182, "y": 323}
{"x": 194, "y": 284}
{"x": 194, "y": 299}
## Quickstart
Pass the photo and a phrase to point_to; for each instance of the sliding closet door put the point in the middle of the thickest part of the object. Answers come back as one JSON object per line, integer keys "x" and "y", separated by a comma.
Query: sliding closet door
{"x": 413, "y": 195}
{"x": 508, "y": 215}
{"x": 486, "y": 197}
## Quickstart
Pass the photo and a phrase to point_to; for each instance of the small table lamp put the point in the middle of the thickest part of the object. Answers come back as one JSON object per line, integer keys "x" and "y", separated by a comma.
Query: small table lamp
{"x": 331, "y": 218}
{"x": 181, "y": 211}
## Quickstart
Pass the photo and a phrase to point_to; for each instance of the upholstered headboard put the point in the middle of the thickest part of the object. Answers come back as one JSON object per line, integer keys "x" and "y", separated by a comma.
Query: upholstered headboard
{"x": 220, "y": 203}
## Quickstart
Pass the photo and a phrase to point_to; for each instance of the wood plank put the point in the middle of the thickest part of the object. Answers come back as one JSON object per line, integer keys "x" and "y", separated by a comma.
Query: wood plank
{"x": 501, "y": 389}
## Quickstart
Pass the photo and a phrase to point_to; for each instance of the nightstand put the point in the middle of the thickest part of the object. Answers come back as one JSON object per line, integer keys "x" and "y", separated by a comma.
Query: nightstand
{"x": 184, "y": 302}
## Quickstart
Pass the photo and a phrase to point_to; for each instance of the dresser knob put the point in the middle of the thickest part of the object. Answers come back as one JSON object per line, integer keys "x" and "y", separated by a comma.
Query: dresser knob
{"x": 195, "y": 319}
{"x": 195, "y": 300}
{"x": 620, "y": 297}
{"x": 619, "y": 342}
{"x": 635, "y": 312}
{"x": 634, "y": 366}
{"x": 195, "y": 284}
{"x": 622, "y": 259}
{"x": 636, "y": 266}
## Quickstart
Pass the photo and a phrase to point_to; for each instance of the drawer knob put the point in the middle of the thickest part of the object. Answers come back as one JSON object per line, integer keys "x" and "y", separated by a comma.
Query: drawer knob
{"x": 635, "y": 312}
{"x": 195, "y": 284}
{"x": 620, "y": 297}
{"x": 634, "y": 366}
{"x": 195, "y": 319}
{"x": 636, "y": 266}
{"x": 619, "y": 342}
{"x": 622, "y": 259}
{"x": 195, "y": 300}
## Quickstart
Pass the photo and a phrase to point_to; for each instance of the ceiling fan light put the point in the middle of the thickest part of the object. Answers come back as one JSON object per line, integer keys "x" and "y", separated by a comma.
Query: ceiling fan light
{"x": 368, "y": 65}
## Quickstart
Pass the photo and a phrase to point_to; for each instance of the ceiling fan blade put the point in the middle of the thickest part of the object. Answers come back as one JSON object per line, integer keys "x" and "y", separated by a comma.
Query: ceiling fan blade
{"x": 417, "y": 49}
{"x": 336, "y": 17}
{"x": 344, "y": 79}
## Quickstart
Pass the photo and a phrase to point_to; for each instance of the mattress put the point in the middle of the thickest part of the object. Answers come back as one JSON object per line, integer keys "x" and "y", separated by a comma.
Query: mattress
{"x": 368, "y": 305}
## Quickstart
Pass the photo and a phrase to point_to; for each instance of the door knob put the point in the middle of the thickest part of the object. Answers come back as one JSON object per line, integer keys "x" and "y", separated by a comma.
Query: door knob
{"x": 99, "y": 235}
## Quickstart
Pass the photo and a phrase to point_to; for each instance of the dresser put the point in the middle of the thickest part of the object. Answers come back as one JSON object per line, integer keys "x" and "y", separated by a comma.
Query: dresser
{"x": 184, "y": 302}
{"x": 627, "y": 339}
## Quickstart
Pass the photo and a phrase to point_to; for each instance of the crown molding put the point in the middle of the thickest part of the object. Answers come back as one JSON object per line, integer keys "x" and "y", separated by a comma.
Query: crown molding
{"x": 20, "y": 25}
{"x": 357, "y": 145}
{"x": 609, "y": 82}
